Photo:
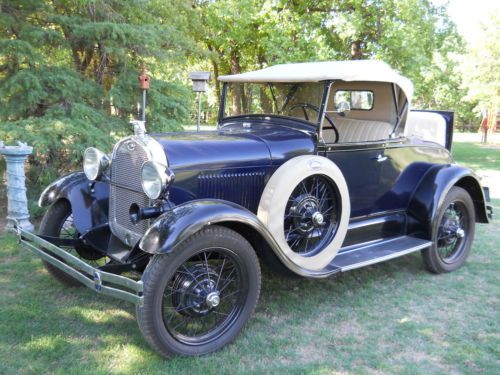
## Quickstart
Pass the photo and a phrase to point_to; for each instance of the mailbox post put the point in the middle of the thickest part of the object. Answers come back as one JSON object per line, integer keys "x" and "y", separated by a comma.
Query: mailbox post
{"x": 200, "y": 84}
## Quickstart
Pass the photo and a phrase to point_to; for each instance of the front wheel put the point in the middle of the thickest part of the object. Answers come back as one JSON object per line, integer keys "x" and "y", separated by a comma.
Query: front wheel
{"x": 197, "y": 299}
{"x": 58, "y": 222}
{"x": 453, "y": 233}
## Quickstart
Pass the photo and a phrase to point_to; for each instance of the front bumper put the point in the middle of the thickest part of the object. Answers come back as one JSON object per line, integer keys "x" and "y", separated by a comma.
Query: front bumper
{"x": 93, "y": 278}
{"x": 489, "y": 207}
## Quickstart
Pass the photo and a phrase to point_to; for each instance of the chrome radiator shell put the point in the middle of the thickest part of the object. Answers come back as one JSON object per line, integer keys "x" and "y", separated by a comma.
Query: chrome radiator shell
{"x": 128, "y": 157}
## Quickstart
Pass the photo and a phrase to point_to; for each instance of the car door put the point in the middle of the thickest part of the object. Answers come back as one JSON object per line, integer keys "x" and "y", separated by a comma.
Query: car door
{"x": 361, "y": 165}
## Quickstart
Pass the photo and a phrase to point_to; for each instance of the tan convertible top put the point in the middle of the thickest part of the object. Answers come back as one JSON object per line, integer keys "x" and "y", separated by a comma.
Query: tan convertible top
{"x": 352, "y": 70}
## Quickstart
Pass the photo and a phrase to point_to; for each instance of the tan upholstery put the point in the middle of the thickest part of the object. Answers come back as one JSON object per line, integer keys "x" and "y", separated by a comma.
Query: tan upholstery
{"x": 383, "y": 103}
{"x": 352, "y": 130}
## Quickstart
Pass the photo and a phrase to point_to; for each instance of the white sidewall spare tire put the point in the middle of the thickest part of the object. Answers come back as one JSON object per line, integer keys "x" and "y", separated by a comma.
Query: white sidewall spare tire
{"x": 274, "y": 201}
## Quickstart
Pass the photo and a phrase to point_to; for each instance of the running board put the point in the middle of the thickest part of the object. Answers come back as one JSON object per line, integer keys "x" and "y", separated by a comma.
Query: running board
{"x": 378, "y": 252}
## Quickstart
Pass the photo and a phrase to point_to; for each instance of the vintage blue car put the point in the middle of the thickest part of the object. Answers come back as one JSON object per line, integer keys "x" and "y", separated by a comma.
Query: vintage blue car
{"x": 315, "y": 169}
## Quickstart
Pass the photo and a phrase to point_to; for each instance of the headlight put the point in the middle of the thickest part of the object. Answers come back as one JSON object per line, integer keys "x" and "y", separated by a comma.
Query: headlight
{"x": 95, "y": 163}
{"x": 155, "y": 179}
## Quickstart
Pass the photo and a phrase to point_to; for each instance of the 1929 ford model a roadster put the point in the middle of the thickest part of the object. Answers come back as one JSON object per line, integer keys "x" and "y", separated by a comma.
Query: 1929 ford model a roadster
{"x": 316, "y": 168}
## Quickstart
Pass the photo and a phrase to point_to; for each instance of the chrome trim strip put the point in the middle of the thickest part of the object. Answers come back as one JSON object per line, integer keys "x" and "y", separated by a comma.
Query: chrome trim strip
{"x": 89, "y": 276}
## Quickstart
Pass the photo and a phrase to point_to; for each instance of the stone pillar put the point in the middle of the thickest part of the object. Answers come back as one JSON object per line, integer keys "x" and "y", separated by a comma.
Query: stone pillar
{"x": 17, "y": 201}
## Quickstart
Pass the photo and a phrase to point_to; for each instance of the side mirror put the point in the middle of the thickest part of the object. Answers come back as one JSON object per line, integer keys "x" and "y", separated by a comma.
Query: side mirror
{"x": 343, "y": 108}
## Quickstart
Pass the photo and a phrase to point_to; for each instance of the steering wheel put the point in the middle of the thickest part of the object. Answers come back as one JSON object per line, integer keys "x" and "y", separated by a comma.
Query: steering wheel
{"x": 305, "y": 106}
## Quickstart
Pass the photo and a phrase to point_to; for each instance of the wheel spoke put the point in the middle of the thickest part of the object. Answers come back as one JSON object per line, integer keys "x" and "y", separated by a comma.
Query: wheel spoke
{"x": 312, "y": 195}
{"x": 220, "y": 273}
{"x": 188, "y": 310}
{"x": 449, "y": 245}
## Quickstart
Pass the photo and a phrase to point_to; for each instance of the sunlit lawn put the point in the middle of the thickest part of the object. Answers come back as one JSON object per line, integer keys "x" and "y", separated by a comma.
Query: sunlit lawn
{"x": 392, "y": 317}
{"x": 477, "y": 155}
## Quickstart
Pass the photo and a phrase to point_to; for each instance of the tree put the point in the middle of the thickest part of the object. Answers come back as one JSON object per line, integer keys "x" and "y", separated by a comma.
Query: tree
{"x": 413, "y": 36}
{"x": 68, "y": 72}
{"x": 481, "y": 71}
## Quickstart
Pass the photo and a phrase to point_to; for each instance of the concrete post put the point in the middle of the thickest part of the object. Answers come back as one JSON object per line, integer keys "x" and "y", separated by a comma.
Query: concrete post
{"x": 17, "y": 202}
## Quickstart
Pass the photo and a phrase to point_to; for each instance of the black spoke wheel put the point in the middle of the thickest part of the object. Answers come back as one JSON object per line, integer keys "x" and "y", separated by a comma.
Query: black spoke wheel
{"x": 197, "y": 299}
{"x": 453, "y": 233}
{"x": 312, "y": 215}
{"x": 58, "y": 222}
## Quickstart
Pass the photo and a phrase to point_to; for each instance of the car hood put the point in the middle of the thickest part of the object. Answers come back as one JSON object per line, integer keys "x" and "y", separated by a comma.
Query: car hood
{"x": 234, "y": 146}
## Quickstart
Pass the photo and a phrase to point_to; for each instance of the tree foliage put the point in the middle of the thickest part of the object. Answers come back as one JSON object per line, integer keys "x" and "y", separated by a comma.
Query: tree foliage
{"x": 481, "y": 66}
{"x": 68, "y": 72}
{"x": 413, "y": 36}
{"x": 68, "y": 68}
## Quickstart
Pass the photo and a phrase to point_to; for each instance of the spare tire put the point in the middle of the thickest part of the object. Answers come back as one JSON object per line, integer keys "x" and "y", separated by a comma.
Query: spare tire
{"x": 306, "y": 207}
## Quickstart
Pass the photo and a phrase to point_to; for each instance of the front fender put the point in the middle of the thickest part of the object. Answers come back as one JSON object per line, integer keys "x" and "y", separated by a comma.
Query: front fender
{"x": 88, "y": 199}
{"x": 432, "y": 190}
{"x": 175, "y": 226}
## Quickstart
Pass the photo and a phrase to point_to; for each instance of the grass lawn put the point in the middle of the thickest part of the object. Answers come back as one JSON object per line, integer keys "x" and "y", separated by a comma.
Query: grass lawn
{"x": 477, "y": 155}
{"x": 392, "y": 317}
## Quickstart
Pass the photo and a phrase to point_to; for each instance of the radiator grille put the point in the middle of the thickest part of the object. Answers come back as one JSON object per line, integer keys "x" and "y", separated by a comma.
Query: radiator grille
{"x": 126, "y": 189}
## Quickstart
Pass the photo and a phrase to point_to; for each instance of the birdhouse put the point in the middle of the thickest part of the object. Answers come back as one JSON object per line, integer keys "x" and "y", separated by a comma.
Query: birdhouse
{"x": 200, "y": 81}
{"x": 144, "y": 80}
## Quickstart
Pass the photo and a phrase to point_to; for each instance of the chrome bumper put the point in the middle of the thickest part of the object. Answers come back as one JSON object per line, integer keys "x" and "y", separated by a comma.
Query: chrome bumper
{"x": 89, "y": 276}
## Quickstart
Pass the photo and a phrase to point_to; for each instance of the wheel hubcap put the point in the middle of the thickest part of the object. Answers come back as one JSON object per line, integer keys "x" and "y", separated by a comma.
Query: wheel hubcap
{"x": 213, "y": 299}
{"x": 318, "y": 218}
{"x": 196, "y": 291}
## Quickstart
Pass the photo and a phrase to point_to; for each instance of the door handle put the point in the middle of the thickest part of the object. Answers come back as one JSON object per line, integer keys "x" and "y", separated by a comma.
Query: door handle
{"x": 379, "y": 158}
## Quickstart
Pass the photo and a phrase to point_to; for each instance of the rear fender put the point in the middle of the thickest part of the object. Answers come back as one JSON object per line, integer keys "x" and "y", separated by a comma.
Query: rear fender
{"x": 432, "y": 190}
{"x": 88, "y": 199}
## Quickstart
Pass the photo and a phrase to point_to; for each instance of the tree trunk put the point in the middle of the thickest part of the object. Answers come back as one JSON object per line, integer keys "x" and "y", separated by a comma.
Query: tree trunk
{"x": 216, "y": 76}
{"x": 265, "y": 101}
{"x": 237, "y": 88}
{"x": 356, "y": 53}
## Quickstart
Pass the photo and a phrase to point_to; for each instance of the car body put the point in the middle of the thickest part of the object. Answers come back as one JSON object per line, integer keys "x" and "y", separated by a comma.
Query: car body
{"x": 316, "y": 168}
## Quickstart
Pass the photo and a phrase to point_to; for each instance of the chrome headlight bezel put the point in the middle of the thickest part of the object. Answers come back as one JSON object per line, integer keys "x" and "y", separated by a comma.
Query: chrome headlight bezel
{"x": 155, "y": 179}
{"x": 95, "y": 163}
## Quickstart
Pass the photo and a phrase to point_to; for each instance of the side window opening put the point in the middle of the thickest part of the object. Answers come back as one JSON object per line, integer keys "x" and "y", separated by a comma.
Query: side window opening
{"x": 365, "y": 122}
{"x": 358, "y": 99}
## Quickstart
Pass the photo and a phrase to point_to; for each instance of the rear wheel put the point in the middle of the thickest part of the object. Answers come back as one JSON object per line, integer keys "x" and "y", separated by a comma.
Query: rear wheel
{"x": 453, "y": 233}
{"x": 58, "y": 222}
{"x": 197, "y": 299}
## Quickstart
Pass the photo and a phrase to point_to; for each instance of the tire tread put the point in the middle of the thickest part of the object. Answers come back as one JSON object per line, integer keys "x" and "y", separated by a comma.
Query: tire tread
{"x": 155, "y": 269}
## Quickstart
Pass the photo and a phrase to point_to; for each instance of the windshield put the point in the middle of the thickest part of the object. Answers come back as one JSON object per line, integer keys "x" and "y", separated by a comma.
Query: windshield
{"x": 298, "y": 100}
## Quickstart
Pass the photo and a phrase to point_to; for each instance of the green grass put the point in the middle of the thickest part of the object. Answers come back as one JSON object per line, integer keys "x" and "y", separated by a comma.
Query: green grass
{"x": 392, "y": 317}
{"x": 477, "y": 155}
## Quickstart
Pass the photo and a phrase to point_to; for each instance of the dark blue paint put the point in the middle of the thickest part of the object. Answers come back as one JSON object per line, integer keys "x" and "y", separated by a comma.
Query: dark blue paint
{"x": 430, "y": 192}
{"x": 233, "y": 164}
{"x": 218, "y": 164}
{"x": 89, "y": 200}
{"x": 178, "y": 224}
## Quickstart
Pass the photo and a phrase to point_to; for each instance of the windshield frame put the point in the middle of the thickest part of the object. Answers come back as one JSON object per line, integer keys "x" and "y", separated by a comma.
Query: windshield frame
{"x": 317, "y": 124}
